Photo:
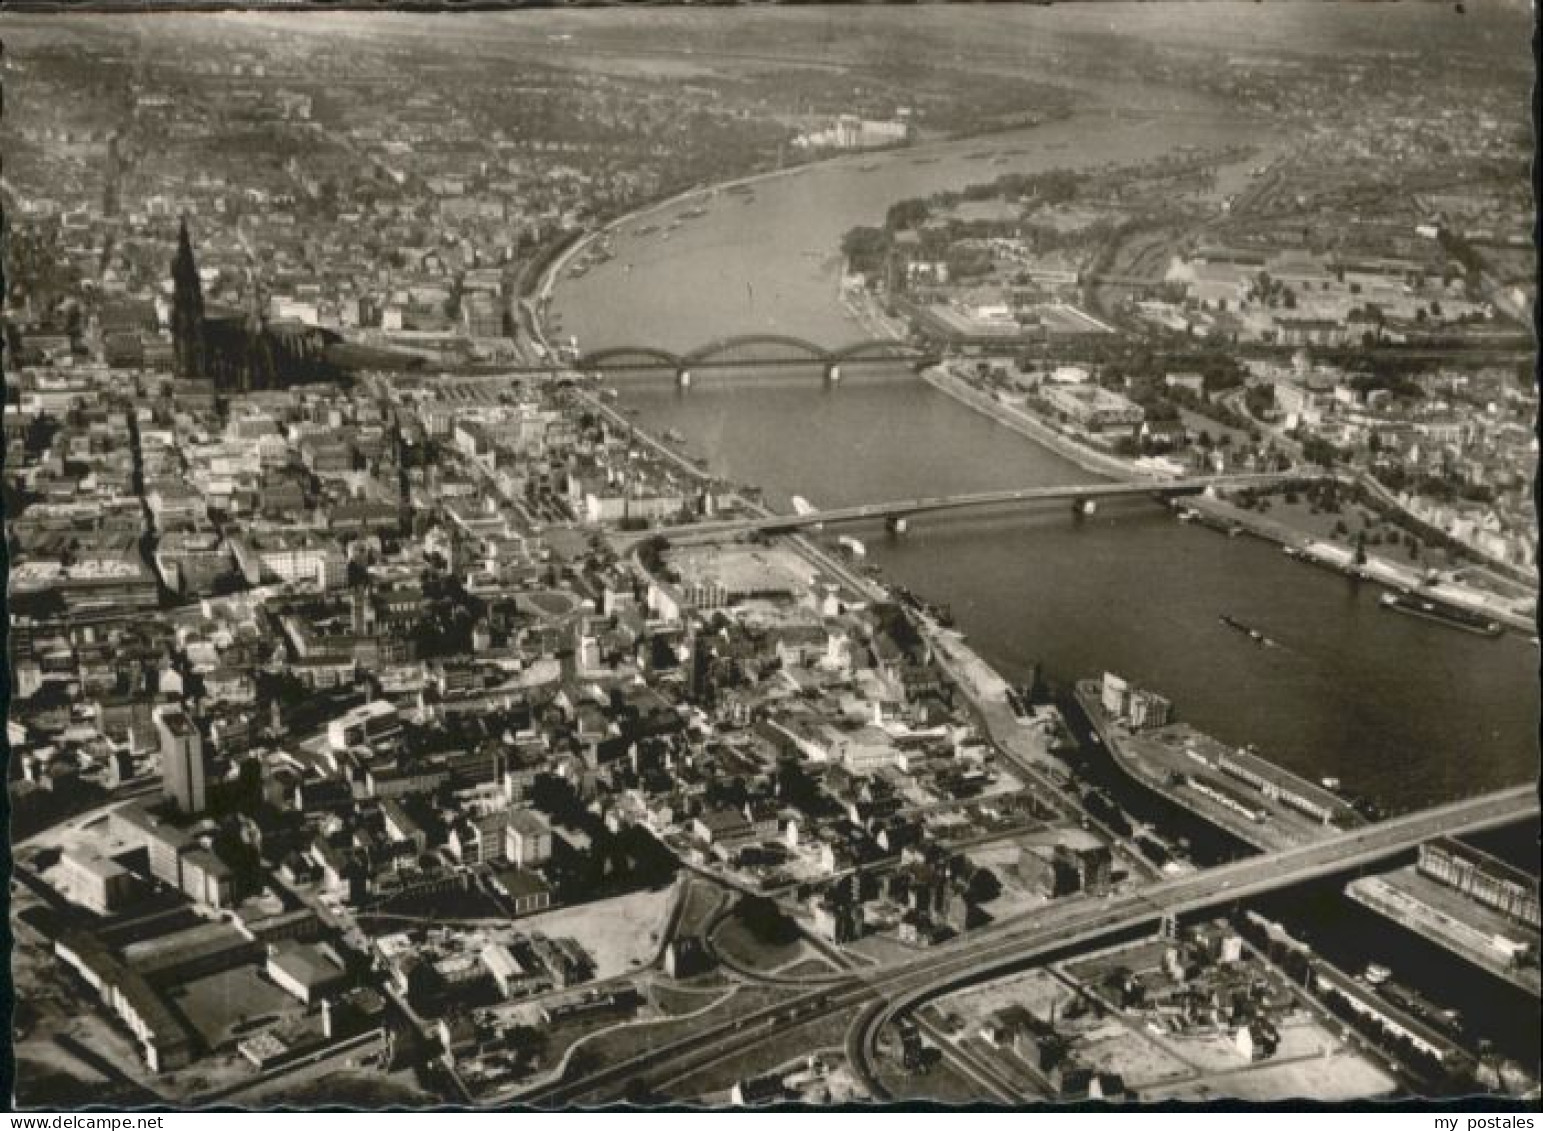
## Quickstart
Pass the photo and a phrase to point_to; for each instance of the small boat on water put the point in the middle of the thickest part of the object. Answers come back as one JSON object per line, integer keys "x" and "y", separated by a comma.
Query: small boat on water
{"x": 1249, "y": 631}
{"x": 672, "y": 436}
{"x": 1375, "y": 975}
{"x": 1449, "y": 615}
{"x": 1330, "y": 784}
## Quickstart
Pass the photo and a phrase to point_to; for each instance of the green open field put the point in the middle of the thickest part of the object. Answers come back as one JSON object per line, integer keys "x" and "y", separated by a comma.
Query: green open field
{"x": 738, "y": 944}
{"x": 675, "y": 1001}
{"x": 358, "y": 1089}
{"x": 448, "y": 905}
{"x": 577, "y": 1032}
{"x": 623, "y": 1043}
{"x": 827, "y": 1031}
{"x": 702, "y": 899}
{"x": 551, "y": 603}
{"x": 812, "y": 967}
{"x": 940, "y": 1083}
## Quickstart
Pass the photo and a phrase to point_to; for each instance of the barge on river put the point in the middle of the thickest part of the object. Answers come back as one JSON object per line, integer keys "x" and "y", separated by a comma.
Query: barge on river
{"x": 1450, "y": 615}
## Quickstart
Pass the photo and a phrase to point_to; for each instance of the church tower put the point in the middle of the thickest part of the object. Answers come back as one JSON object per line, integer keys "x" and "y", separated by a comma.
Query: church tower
{"x": 187, "y": 311}
{"x": 259, "y": 361}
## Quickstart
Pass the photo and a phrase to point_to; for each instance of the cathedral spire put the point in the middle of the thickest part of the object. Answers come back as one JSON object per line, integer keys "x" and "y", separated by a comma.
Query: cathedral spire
{"x": 187, "y": 312}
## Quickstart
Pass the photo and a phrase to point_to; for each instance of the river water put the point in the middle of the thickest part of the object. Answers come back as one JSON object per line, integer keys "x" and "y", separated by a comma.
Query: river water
{"x": 1403, "y": 712}
{"x": 769, "y": 261}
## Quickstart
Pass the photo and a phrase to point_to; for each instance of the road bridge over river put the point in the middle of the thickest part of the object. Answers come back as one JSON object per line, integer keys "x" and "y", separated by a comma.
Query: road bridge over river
{"x": 897, "y": 510}
{"x": 887, "y": 992}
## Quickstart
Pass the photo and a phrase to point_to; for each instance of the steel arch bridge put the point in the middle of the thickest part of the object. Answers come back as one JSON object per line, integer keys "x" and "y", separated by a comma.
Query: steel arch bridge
{"x": 756, "y": 347}
{"x": 750, "y": 351}
{"x": 879, "y": 349}
{"x": 624, "y": 357}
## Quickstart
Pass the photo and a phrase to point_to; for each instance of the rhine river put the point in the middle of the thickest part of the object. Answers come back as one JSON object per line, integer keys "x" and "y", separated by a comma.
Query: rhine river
{"x": 1403, "y": 712}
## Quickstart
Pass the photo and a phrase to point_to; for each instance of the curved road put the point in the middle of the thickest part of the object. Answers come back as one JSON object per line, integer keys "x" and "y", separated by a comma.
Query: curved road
{"x": 891, "y": 991}
{"x": 1088, "y": 920}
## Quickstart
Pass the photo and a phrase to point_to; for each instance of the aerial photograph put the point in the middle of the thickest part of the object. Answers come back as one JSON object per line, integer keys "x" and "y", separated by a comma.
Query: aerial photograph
{"x": 732, "y": 557}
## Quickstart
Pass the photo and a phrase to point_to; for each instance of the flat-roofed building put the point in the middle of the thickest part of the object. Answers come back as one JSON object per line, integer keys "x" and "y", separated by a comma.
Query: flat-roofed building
{"x": 290, "y": 555}
{"x": 363, "y": 725}
{"x": 529, "y": 838}
{"x": 100, "y": 587}
{"x": 164, "y": 843}
{"x": 1482, "y": 878}
{"x": 526, "y": 891}
{"x": 95, "y": 881}
{"x": 1148, "y": 709}
{"x": 304, "y": 971}
{"x": 480, "y": 837}
{"x": 506, "y": 970}
{"x": 182, "y": 759}
{"x": 400, "y": 826}
{"x": 721, "y": 826}
{"x": 179, "y": 956}
{"x": 207, "y": 879}
{"x": 165, "y": 1041}
{"x": 1093, "y": 408}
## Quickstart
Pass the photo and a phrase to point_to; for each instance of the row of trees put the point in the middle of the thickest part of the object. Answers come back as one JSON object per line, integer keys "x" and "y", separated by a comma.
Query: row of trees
{"x": 867, "y": 249}
{"x": 1054, "y": 187}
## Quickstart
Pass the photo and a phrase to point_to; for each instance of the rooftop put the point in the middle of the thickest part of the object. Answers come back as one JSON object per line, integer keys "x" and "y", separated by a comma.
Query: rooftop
{"x": 306, "y": 964}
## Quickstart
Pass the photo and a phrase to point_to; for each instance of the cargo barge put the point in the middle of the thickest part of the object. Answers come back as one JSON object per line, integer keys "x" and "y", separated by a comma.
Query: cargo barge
{"x": 1252, "y": 633}
{"x": 1450, "y": 615}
